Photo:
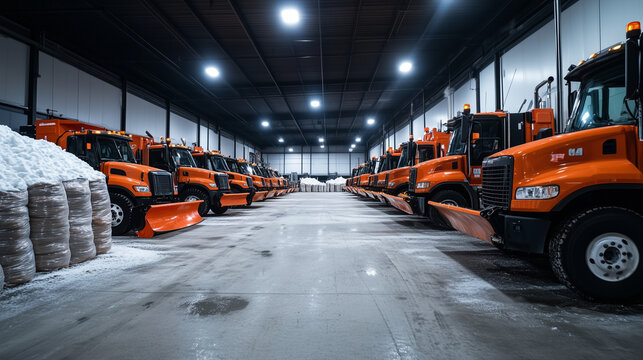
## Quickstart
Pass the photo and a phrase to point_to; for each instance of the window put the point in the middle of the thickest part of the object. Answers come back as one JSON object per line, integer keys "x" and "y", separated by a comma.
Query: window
{"x": 157, "y": 159}
{"x": 108, "y": 149}
{"x": 490, "y": 139}
{"x": 182, "y": 157}
{"x": 219, "y": 164}
{"x": 200, "y": 161}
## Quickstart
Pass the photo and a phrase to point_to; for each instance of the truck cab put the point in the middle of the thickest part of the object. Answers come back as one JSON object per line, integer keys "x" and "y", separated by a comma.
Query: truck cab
{"x": 577, "y": 196}
{"x": 214, "y": 161}
{"x": 244, "y": 167}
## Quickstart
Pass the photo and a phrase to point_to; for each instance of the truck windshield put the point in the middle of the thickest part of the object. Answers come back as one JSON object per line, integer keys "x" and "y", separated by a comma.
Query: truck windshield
{"x": 404, "y": 158}
{"x": 456, "y": 147}
{"x": 115, "y": 150}
{"x": 219, "y": 164}
{"x": 182, "y": 157}
{"x": 601, "y": 102}
{"x": 245, "y": 168}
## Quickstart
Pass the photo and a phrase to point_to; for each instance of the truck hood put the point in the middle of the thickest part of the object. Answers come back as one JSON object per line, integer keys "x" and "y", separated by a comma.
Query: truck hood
{"x": 440, "y": 164}
{"x": 128, "y": 167}
{"x": 198, "y": 173}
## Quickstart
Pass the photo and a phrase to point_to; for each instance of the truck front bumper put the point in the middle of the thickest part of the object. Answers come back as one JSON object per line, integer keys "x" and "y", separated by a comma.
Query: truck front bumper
{"x": 518, "y": 232}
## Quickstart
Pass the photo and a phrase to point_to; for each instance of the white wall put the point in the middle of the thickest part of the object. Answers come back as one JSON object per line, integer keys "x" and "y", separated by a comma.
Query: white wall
{"x": 181, "y": 127}
{"x": 356, "y": 159}
{"x": 401, "y": 135}
{"x": 75, "y": 94}
{"x": 203, "y": 137}
{"x": 240, "y": 150}
{"x": 319, "y": 164}
{"x": 293, "y": 164}
{"x": 275, "y": 161}
{"x": 488, "y": 89}
{"x": 227, "y": 145}
{"x": 339, "y": 163}
{"x": 375, "y": 150}
{"x": 418, "y": 127}
{"x": 437, "y": 115}
{"x": 465, "y": 94}
{"x": 142, "y": 115}
{"x": 525, "y": 65}
{"x": 213, "y": 140}
{"x": 14, "y": 71}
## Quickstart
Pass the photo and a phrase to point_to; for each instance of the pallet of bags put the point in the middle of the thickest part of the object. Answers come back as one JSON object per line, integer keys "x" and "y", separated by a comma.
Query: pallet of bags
{"x": 101, "y": 216}
{"x": 81, "y": 235}
{"x": 16, "y": 251}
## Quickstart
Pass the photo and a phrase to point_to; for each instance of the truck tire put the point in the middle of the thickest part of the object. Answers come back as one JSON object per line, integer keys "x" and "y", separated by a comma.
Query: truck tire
{"x": 449, "y": 197}
{"x": 122, "y": 209}
{"x": 218, "y": 209}
{"x": 193, "y": 194}
{"x": 596, "y": 253}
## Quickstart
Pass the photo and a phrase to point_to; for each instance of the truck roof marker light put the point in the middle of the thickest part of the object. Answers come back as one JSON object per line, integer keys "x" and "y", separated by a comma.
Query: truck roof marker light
{"x": 581, "y": 63}
{"x": 633, "y": 30}
{"x": 411, "y": 137}
{"x": 616, "y": 48}
{"x": 426, "y": 130}
{"x": 593, "y": 55}
{"x": 467, "y": 109}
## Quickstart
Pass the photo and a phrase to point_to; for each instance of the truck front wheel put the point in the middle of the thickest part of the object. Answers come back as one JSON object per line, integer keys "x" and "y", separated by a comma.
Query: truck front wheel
{"x": 596, "y": 253}
{"x": 122, "y": 208}
{"x": 193, "y": 194}
{"x": 448, "y": 197}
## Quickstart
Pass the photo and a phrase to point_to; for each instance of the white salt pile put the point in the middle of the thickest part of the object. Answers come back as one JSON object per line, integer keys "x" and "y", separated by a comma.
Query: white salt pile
{"x": 338, "y": 181}
{"x": 25, "y": 162}
{"x": 311, "y": 181}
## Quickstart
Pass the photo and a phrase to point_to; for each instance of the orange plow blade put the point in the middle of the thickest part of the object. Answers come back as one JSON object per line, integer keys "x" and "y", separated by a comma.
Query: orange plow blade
{"x": 381, "y": 198}
{"x": 281, "y": 192}
{"x": 271, "y": 194}
{"x": 371, "y": 194}
{"x": 466, "y": 221}
{"x": 399, "y": 203}
{"x": 236, "y": 199}
{"x": 361, "y": 192}
{"x": 168, "y": 217}
{"x": 259, "y": 196}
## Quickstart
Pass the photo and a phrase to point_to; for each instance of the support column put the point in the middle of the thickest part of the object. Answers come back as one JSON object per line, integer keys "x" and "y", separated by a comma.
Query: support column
{"x": 167, "y": 118}
{"x": 123, "y": 104}
{"x": 559, "y": 69}
{"x": 32, "y": 96}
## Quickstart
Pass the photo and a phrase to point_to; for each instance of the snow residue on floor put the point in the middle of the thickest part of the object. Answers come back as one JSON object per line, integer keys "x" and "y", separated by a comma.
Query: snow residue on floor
{"x": 25, "y": 162}
{"x": 44, "y": 287}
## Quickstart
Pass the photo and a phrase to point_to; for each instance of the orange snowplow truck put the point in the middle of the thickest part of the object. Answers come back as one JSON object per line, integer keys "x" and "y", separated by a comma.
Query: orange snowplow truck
{"x": 141, "y": 196}
{"x": 455, "y": 178}
{"x": 241, "y": 166}
{"x": 377, "y": 181}
{"x": 577, "y": 196}
{"x": 194, "y": 184}
{"x": 396, "y": 183}
{"x": 214, "y": 161}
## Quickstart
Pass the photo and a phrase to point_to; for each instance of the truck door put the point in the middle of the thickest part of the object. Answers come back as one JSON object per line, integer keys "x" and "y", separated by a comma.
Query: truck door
{"x": 84, "y": 148}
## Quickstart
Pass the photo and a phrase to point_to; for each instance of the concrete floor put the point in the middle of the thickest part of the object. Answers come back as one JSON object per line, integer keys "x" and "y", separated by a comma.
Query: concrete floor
{"x": 310, "y": 276}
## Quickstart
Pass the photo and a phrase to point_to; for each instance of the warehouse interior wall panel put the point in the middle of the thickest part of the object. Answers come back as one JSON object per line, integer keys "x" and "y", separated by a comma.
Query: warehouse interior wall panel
{"x": 75, "y": 94}
{"x": 12, "y": 118}
{"x": 401, "y": 135}
{"x": 181, "y": 127}
{"x": 275, "y": 161}
{"x": 143, "y": 116}
{"x": 203, "y": 137}
{"x": 292, "y": 164}
{"x": 418, "y": 127}
{"x": 390, "y": 141}
{"x": 356, "y": 159}
{"x": 465, "y": 94}
{"x": 488, "y": 89}
{"x": 525, "y": 65}
{"x": 437, "y": 115}
{"x": 375, "y": 151}
{"x": 339, "y": 163}
{"x": 319, "y": 164}
{"x": 227, "y": 145}
{"x": 239, "y": 149}
{"x": 305, "y": 169}
{"x": 14, "y": 71}
{"x": 213, "y": 140}
{"x": 614, "y": 17}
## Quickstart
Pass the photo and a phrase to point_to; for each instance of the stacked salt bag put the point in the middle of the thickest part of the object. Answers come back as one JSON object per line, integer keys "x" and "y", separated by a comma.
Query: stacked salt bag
{"x": 311, "y": 185}
{"x": 43, "y": 167}
{"x": 336, "y": 184}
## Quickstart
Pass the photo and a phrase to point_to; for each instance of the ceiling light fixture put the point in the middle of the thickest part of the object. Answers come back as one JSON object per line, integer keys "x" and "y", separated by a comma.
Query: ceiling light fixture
{"x": 290, "y": 150}
{"x": 370, "y": 121}
{"x": 321, "y": 139}
{"x": 290, "y": 16}
{"x": 358, "y": 139}
{"x": 315, "y": 103}
{"x": 321, "y": 146}
{"x": 350, "y": 149}
{"x": 353, "y": 146}
{"x": 405, "y": 67}
{"x": 281, "y": 139}
{"x": 212, "y": 72}
{"x": 265, "y": 123}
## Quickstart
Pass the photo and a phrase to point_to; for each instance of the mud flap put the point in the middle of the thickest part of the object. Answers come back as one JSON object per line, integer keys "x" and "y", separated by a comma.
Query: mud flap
{"x": 259, "y": 196}
{"x": 168, "y": 217}
{"x": 235, "y": 199}
{"x": 467, "y": 221}
{"x": 399, "y": 203}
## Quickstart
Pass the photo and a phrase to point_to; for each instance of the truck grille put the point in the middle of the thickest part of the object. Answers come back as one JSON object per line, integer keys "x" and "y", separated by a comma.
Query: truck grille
{"x": 386, "y": 180}
{"x": 222, "y": 181}
{"x": 497, "y": 181}
{"x": 413, "y": 175}
{"x": 249, "y": 180}
{"x": 161, "y": 183}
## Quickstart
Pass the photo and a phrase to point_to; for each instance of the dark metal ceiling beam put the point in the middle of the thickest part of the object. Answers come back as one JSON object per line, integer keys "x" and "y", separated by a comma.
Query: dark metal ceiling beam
{"x": 246, "y": 30}
{"x": 348, "y": 65}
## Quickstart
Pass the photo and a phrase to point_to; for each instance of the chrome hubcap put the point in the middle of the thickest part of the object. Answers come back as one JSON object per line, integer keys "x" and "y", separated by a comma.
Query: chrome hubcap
{"x": 612, "y": 257}
{"x": 192, "y": 198}
{"x": 117, "y": 215}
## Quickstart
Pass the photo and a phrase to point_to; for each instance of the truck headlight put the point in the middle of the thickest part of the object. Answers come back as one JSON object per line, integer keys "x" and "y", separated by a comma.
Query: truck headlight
{"x": 537, "y": 192}
{"x": 391, "y": 184}
{"x": 423, "y": 185}
{"x": 213, "y": 185}
{"x": 141, "y": 188}
{"x": 176, "y": 188}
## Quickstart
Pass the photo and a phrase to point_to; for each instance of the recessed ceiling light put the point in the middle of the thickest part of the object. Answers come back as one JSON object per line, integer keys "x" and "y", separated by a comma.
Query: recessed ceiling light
{"x": 358, "y": 139}
{"x": 353, "y": 146}
{"x": 321, "y": 139}
{"x": 265, "y": 123}
{"x": 370, "y": 121}
{"x": 321, "y": 146}
{"x": 212, "y": 72}
{"x": 281, "y": 140}
{"x": 350, "y": 149}
{"x": 405, "y": 66}
{"x": 290, "y": 16}
{"x": 290, "y": 150}
{"x": 315, "y": 103}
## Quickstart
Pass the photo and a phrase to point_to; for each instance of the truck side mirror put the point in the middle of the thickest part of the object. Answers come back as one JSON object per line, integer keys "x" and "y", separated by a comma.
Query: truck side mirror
{"x": 632, "y": 54}
{"x": 544, "y": 133}
{"x": 466, "y": 127}
{"x": 571, "y": 99}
